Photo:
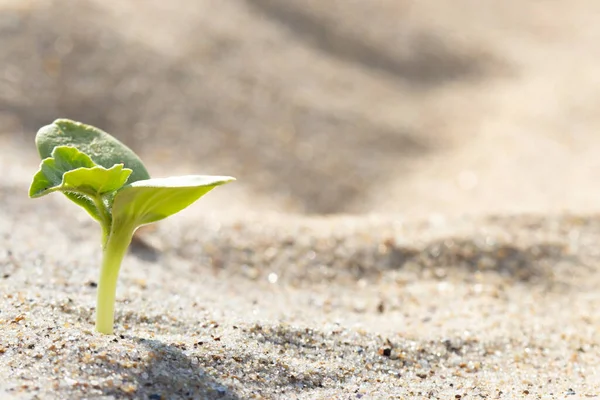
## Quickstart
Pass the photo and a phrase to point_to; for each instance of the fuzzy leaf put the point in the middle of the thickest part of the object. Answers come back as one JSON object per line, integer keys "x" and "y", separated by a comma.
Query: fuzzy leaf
{"x": 101, "y": 147}
{"x": 74, "y": 173}
{"x": 70, "y": 170}
{"x": 151, "y": 200}
{"x": 50, "y": 175}
{"x": 97, "y": 180}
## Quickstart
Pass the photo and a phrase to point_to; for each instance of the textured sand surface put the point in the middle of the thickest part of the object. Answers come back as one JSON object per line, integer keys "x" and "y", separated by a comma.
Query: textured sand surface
{"x": 415, "y": 214}
{"x": 304, "y": 308}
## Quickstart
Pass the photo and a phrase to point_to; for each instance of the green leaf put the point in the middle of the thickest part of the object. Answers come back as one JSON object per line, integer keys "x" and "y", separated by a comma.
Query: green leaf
{"x": 151, "y": 200}
{"x": 101, "y": 147}
{"x": 52, "y": 169}
{"x": 97, "y": 180}
{"x": 72, "y": 172}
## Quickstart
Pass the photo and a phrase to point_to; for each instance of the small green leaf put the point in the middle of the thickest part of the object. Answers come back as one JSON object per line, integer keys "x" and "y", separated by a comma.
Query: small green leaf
{"x": 50, "y": 175}
{"x": 70, "y": 170}
{"x": 101, "y": 147}
{"x": 74, "y": 173}
{"x": 151, "y": 200}
{"x": 97, "y": 180}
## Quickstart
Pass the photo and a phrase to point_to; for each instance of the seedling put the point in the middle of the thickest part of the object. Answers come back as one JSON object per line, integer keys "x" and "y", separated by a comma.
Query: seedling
{"x": 107, "y": 179}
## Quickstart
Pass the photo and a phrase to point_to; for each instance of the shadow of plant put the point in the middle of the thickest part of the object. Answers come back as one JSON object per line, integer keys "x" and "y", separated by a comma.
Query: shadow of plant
{"x": 265, "y": 359}
{"x": 165, "y": 373}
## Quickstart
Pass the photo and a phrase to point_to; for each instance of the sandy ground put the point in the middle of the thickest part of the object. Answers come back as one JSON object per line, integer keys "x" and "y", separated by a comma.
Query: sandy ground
{"x": 415, "y": 214}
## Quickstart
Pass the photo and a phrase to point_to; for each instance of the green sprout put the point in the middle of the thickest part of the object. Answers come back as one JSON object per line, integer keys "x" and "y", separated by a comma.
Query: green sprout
{"x": 107, "y": 179}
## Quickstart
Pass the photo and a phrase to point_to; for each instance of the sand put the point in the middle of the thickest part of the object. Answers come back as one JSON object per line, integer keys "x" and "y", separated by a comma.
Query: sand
{"x": 414, "y": 221}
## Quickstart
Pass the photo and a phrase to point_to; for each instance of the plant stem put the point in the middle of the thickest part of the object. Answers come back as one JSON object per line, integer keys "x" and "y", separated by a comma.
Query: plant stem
{"x": 105, "y": 216}
{"x": 113, "y": 252}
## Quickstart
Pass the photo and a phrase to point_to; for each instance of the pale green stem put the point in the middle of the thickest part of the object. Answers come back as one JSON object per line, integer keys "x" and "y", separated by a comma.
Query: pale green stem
{"x": 113, "y": 252}
{"x": 105, "y": 218}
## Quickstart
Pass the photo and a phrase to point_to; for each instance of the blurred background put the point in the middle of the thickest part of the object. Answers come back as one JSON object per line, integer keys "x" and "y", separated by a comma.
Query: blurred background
{"x": 416, "y": 107}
